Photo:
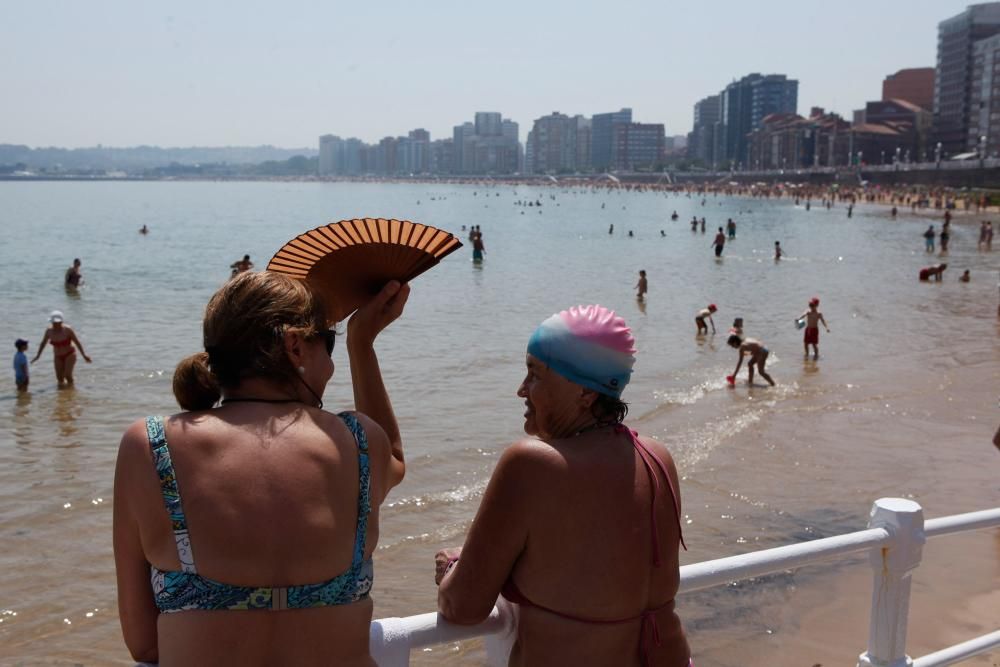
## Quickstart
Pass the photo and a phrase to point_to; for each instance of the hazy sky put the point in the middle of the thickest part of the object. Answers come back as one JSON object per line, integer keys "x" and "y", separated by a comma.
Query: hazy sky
{"x": 211, "y": 73}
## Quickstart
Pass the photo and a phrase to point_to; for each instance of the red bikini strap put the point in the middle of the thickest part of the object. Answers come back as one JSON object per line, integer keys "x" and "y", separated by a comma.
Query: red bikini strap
{"x": 645, "y": 454}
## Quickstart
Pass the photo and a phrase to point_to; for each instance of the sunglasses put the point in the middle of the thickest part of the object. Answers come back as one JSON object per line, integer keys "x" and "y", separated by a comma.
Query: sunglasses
{"x": 329, "y": 338}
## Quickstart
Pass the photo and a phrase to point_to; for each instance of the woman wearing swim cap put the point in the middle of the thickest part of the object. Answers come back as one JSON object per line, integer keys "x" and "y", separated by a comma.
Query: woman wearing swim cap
{"x": 580, "y": 523}
{"x": 62, "y": 338}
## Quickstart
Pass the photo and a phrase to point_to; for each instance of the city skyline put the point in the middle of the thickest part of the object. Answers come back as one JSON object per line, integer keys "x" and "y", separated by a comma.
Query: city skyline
{"x": 123, "y": 75}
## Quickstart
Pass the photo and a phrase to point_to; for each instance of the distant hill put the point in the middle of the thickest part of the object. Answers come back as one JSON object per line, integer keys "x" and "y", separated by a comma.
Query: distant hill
{"x": 142, "y": 157}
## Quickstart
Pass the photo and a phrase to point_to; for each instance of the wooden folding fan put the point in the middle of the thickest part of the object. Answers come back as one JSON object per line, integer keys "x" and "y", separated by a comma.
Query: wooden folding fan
{"x": 349, "y": 261}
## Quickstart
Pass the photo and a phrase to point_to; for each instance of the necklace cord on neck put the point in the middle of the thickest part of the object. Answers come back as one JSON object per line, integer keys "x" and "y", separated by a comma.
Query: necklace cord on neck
{"x": 319, "y": 401}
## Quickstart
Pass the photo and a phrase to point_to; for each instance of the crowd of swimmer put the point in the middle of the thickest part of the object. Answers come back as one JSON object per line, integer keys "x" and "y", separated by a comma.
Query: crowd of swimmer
{"x": 63, "y": 338}
{"x": 752, "y": 349}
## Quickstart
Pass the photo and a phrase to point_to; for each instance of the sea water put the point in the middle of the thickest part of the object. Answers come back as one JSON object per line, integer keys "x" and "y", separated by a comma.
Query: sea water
{"x": 902, "y": 401}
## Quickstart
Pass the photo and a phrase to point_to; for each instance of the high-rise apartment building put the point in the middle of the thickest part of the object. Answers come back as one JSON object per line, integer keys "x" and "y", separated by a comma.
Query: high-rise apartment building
{"x": 387, "y": 156}
{"x": 984, "y": 100}
{"x": 487, "y": 146}
{"x": 744, "y": 104}
{"x": 553, "y": 144}
{"x": 584, "y": 140}
{"x": 510, "y": 130}
{"x": 414, "y": 152}
{"x": 701, "y": 143}
{"x": 461, "y": 147}
{"x": 637, "y": 146}
{"x": 915, "y": 85}
{"x": 489, "y": 124}
{"x": 329, "y": 147}
{"x": 602, "y": 134}
{"x": 441, "y": 156}
{"x": 354, "y": 162}
{"x": 953, "y": 82}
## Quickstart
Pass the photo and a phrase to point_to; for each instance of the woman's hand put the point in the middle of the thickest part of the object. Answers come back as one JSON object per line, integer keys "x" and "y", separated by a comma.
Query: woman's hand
{"x": 369, "y": 320}
{"x": 442, "y": 560}
{"x": 86, "y": 358}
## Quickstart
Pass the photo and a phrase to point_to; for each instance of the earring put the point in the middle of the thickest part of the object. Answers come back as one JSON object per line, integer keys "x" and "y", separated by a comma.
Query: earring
{"x": 302, "y": 370}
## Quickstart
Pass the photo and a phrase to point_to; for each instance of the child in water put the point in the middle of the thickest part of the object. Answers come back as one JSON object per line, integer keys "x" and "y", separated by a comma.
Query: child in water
{"x": 812, "y": 318}
{"x": 778, "y": 252}
{"x": 936, "y": 272}
{"x": 737, "y": 328}
{"x": 699, "y": 319}
{"x": 758, "y": 356}
{"x": 21, "y": 365}
{"x": 641, "y": 286}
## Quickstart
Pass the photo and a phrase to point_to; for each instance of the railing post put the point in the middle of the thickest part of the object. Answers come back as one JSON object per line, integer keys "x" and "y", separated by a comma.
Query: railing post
{"x": 388, "y": 643}
{"x": 892, "y": 566}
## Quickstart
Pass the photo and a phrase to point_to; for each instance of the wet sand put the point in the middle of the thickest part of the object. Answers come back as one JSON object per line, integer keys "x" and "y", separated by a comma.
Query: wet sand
{"x": 819, "y": 614}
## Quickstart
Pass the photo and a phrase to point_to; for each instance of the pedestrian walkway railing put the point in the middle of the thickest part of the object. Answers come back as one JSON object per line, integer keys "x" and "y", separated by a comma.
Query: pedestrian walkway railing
{"x": 894, "y": 540}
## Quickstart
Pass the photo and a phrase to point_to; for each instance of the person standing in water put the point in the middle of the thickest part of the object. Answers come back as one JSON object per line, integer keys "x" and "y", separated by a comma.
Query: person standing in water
{"x": 641, "y": 286}
{"x": 719, "y": 243}
{"x": 478, "y": 247}
{"x": 21, "y": 374}
{"x": 929, "y": 239}
{"x": 778, "y": 252}
{"x": 63, "y": 338}
{"x": 812, "y": 318}
{"x": 731, "y": 229}
{"x": 73, "y": 276}
{"x": 758, "y": 356}
{"x": 945, "y": 236}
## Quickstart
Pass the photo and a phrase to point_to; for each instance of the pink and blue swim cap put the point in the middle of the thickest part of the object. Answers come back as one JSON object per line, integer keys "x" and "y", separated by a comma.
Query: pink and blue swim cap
{"x": 587, "y": 345}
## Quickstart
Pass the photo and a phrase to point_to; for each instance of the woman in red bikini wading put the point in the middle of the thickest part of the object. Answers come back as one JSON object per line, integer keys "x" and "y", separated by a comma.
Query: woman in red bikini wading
{"x": 579, "y": 524}
{"x": 62, "y": 338}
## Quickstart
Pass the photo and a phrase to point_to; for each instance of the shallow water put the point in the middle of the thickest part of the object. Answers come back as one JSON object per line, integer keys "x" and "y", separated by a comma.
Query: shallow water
{"x": 902, "y": 402}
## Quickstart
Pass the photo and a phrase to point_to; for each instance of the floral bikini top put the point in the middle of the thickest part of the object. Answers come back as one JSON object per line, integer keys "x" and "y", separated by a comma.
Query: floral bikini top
{"x": 180, "y": 591}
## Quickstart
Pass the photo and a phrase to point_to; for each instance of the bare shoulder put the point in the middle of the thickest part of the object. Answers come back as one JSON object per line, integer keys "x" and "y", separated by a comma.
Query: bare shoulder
{"x": 375, "y": 434}
{"x": 529, "y": 457}
{"x": 133, "y": 451}
{"x": 659, "y": 449}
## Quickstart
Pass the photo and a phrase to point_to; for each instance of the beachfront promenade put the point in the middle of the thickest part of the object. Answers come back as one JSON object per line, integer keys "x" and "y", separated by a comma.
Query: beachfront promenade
{"x": 894, "y": 540}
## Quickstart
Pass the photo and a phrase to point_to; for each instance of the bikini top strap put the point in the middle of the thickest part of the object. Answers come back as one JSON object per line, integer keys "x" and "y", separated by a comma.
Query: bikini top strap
{"x": 170, "y": 491}
{"x": 649, "y": 458}
{"x": 364, "y": 487}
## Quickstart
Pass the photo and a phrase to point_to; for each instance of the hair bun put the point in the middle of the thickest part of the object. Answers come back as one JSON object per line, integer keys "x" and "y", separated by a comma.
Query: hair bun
{"x": 195, "y": 387}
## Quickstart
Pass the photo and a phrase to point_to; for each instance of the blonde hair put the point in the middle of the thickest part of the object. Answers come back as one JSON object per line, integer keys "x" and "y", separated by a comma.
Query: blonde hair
{"x": 243, "y": 335}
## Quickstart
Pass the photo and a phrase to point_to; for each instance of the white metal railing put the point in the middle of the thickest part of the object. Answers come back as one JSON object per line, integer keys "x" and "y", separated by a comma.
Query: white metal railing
{"x": 894, "y": 540}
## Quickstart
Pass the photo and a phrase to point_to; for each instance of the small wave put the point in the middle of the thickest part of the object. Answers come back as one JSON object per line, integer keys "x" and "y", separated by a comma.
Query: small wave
{"x": 455, "y": 496}
{"x": 444, "y": 533}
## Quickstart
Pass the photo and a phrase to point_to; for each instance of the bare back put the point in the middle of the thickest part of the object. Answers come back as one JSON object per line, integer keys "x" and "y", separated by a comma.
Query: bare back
{"x": 269, "y": 502}
{"x": 589, "y": 550}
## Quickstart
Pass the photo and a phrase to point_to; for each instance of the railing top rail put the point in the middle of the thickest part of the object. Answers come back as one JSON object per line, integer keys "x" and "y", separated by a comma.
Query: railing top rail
{"x": 958, "y": 523}
{"x": 723, "y": 570}
{"x": 959, "y": 652}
